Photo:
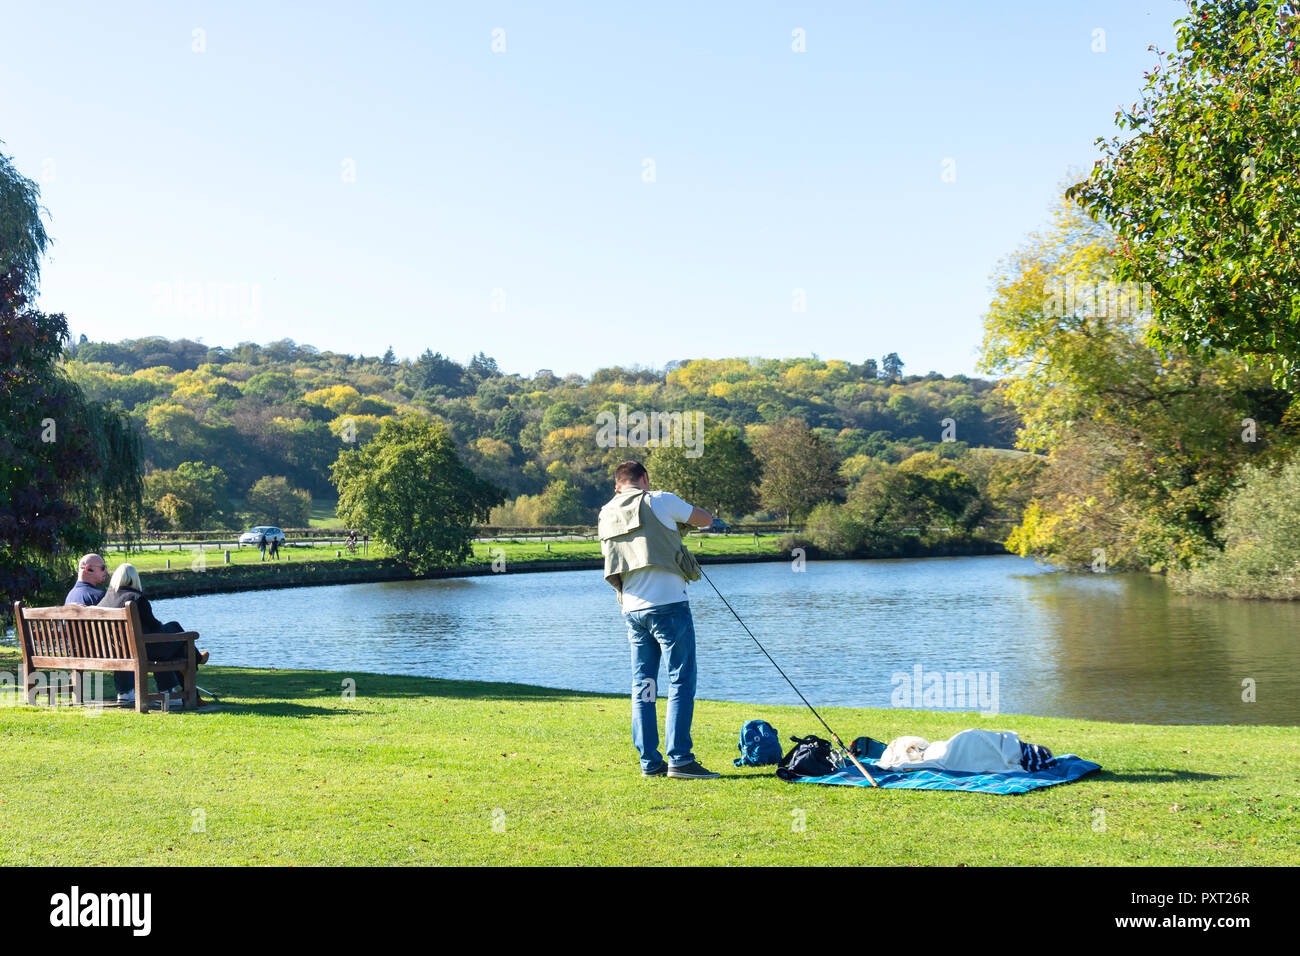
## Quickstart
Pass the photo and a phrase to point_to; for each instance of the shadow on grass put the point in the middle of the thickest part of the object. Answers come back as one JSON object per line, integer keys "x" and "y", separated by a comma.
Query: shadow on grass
{"x": 1158, "y": 775}
{"x": 285, "y": 686}
{"x": 291, "y": 693}
{"x": 273, "y": 708}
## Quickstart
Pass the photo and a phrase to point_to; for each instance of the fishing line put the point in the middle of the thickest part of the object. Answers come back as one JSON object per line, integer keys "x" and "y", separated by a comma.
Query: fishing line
{"x": 846, "y": 750}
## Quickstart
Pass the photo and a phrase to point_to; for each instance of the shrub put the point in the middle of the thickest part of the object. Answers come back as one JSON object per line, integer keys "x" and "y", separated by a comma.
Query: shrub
{"x": 1261, "y": 534}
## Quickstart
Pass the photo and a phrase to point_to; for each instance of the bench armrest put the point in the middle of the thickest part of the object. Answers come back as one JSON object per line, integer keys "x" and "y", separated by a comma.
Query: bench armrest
{"x": 159, "y": 638}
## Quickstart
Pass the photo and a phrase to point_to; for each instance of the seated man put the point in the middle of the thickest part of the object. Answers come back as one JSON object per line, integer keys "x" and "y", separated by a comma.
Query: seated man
{"x": 92, "y": 576}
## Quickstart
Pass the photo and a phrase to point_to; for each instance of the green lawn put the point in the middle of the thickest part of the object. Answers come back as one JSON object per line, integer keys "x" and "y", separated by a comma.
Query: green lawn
{"x": 419, "y": 771}
{"x": 525, "y": 550}
{"x": 151, "y": 559}
{"x": 322, "y": 513}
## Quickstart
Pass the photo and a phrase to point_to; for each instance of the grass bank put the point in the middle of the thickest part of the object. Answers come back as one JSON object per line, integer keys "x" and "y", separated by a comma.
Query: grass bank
{"x": 307, "y": 566}
{"x": 154, "y": 559}
{"x": 288, "y": 770}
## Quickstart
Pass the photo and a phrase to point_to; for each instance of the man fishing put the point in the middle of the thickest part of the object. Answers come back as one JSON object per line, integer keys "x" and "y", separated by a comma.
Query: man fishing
{"x": 648, "y": 567}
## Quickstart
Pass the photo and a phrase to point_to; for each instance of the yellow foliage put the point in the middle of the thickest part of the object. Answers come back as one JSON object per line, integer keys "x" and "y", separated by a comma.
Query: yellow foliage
{"x": 339, "y": 399}
{"x": 158, "y": 374}
{"x": 493, "y": 449}
{"x": 799, "y": 377}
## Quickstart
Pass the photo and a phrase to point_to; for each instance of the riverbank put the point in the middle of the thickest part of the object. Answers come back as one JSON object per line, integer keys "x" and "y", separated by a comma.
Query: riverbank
{"x": 249, "y": 573}
{"x": 209, "y": 576}
{"x": 290, "y": 769}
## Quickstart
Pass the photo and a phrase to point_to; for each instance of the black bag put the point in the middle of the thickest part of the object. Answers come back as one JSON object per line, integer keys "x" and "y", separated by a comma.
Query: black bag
{"x": 809, "y": 757}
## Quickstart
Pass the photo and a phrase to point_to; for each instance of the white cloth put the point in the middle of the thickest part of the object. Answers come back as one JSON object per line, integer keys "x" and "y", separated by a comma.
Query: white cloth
{"x": 651, "y": 587}
{"x": 971, "y": 751}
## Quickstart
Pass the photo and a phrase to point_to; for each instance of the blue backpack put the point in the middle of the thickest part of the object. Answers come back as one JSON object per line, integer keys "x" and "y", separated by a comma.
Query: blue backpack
{"x": 759, "y": 745}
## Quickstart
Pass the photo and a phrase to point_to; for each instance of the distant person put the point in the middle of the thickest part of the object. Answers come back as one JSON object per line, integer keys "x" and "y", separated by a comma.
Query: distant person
{"x": 352, "y": 541}
{"x": 261, "y": 543}
{"x": 275, "y": 547}
{"x": 127, "y": 586}
{"x": 648, "y": 567}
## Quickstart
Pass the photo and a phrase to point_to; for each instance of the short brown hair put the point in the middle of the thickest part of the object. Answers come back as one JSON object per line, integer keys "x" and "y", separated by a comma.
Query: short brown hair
{"x": 629, "y": 473}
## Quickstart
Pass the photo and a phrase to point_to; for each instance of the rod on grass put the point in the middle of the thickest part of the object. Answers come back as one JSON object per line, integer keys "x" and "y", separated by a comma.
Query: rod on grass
{"x": 847, "y": 751}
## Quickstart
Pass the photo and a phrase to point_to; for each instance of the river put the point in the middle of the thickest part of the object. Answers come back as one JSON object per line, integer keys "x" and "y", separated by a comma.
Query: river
{"x": 1010, "y": 636}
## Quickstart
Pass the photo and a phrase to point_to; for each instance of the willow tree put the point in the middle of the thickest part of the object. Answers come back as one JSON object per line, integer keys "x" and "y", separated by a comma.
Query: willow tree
{"x": 22, "y": 234}
{"x": 70, "y": 469}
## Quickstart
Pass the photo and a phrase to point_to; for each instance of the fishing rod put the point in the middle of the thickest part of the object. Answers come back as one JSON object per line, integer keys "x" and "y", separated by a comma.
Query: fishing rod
{"x": 846, "y": 750}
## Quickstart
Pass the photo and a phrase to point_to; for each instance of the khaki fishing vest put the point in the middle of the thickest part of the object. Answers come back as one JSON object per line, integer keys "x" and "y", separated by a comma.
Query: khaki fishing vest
{"x": 632, "y": 538}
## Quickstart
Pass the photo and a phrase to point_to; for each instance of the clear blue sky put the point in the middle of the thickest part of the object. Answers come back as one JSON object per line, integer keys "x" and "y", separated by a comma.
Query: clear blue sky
{"x": 522, "y": 171}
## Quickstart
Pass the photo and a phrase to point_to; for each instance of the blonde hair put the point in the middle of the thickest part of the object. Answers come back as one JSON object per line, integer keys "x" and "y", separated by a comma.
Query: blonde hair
{"x": 126, "y": 576}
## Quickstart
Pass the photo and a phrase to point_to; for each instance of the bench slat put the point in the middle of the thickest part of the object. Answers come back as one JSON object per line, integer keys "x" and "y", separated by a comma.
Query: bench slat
{"x": 72, "y": 612}
{"x": 80, "y": 663}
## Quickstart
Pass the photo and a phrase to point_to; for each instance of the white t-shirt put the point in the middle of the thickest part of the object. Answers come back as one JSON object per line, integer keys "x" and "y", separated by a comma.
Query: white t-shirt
{"x": 651, "y": 587}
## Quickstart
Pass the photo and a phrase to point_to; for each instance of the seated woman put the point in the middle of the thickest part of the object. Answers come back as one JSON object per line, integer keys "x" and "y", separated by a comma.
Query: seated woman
{"x": 127, "y": 586}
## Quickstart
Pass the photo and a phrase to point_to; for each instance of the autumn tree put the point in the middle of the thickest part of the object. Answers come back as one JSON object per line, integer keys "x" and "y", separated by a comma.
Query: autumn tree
{"x": 1141, "y": 445}
{"x": 800, "y": 468}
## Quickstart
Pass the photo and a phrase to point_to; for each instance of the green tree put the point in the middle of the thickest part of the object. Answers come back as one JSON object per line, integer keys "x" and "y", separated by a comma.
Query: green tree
{"x": 891, "y": 367}
{"x": 800, "y": 469}
{"x": 1261, "y": 531}
{"x": 192, "y": 497}
{"x": 1203, "y": 190}
{"x": 561, "y": 503}
{"x": 723, "y": 478}
{"x": 924, "y": 493}
{"x": 272, "y": 500}
{"x": 409, "y": 489}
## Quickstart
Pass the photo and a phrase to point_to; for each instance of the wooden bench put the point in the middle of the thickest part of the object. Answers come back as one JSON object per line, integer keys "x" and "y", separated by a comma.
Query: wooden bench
{"x": 80, "y": 638}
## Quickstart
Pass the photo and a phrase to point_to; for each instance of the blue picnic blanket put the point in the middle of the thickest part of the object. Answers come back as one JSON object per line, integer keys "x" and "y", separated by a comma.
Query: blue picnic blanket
{"x": 1063, "y": 769}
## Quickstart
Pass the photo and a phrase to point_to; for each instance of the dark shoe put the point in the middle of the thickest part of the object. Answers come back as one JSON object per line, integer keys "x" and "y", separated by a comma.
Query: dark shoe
{"x": 692, "y": 771}
{"x": 658, "y": 771}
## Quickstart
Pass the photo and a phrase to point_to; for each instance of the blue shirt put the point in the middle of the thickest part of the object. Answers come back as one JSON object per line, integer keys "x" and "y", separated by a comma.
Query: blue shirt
{"x": 83, "y": 592}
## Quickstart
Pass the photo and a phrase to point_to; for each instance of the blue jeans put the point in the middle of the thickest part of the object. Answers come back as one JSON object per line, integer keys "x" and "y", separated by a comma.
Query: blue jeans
{"x": 666, "y": 629}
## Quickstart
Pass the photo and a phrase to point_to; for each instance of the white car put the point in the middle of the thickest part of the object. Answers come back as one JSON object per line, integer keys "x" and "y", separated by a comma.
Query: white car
{"x": 255, "y": 535}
